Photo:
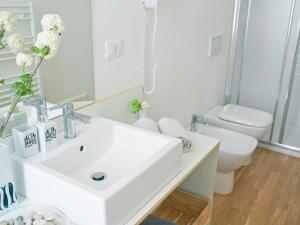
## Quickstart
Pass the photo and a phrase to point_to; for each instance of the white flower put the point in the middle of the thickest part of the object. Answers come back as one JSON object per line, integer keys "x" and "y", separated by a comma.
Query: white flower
{"x": 50, "y": 39}
{"x": 7, "y": 20}
{"x": 23, "y": 59}
{"x": 145, "y": 105}
{"x": 16, "y": 43}
{"x": 53, "y": 22}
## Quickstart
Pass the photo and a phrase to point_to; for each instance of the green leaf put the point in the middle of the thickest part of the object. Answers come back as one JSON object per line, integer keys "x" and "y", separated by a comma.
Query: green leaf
{"x": 2, "y": 81}
{"x": 17, "y": 86}
{"x": 35, "y": 49}
{"x": 29, "y": 92}
{"x": 2, "y": 31}
{"x": 28, "y": 85}
{"x": 23, "y": 87}
{"x": 2, "y": 46}
{"x": 136, "y": 106}
{"x": 22, "y": 93}
{"x": 26, "y": 78}
{"x": 45, "y": 51}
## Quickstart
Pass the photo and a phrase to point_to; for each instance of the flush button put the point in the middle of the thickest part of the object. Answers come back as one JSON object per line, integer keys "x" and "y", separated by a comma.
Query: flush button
{"x": 114, "y": 49}
{"x": 215, "y": 45}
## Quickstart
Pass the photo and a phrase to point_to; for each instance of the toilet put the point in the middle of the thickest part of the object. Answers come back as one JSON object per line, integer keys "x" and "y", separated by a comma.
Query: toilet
{"x": 235, "y": 151}
{"x": 241, "y": 119}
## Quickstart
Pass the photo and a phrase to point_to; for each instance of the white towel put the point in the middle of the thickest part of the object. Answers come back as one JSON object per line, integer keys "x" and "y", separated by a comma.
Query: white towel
{"x": 147, "y": 124}
{"x": 172, "y": 127}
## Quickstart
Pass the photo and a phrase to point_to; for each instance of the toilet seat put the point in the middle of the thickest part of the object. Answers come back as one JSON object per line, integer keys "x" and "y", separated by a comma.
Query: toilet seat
{"x": 241, "y": 119}
{"x": 245, "y": 116}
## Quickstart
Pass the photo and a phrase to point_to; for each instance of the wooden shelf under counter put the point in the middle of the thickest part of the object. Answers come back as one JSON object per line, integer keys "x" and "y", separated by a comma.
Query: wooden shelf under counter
{"x": 184, "y": 208}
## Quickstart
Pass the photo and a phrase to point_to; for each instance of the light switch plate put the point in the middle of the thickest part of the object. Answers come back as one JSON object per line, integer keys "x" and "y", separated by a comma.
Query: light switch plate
{"x": 215, "y": 45}
{"x": 114, "y": 48}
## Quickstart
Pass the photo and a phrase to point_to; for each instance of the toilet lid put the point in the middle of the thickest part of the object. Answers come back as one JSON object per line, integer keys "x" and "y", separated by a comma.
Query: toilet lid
{"x": 245, "y": 116}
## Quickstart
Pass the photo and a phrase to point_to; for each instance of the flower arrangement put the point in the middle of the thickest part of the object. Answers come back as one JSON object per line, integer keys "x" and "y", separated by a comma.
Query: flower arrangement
{"x": 7, "y": 24}
{"x": 137, "y": 106}
{"x": 46, "y": 47}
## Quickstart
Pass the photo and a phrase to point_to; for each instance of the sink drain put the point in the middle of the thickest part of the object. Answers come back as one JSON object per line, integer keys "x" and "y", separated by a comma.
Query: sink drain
{"x": 99, "y": 176}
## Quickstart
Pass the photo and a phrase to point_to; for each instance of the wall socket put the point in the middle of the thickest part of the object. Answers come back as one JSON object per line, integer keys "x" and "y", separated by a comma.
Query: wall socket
{"x": 114, "y": 48}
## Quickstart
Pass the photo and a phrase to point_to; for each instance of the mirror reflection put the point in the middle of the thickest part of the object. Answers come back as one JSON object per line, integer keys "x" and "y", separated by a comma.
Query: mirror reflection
{"x": 67, "y": 76}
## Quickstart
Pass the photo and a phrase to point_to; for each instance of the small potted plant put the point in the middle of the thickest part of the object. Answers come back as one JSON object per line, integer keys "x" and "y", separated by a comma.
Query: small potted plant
{"x": 140, "y": 108}
{"x": 46, "y": 47}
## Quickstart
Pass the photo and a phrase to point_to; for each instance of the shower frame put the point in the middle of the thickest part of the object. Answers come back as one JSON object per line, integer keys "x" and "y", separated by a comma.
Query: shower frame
{"x": 230, "y": 69}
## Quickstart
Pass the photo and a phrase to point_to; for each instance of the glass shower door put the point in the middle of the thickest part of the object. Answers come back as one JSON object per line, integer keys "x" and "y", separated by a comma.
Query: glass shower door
{"x": 290, "y": 134}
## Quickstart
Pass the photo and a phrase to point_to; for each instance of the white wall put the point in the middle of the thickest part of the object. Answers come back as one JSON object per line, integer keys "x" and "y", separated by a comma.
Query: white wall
{"x": 114, "y": 20}
{"x": 70, "y": 73}
{"x": 188, "y": 81}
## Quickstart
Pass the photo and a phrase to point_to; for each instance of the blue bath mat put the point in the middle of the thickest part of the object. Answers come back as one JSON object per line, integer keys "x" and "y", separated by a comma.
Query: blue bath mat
{"x": 152, "y": 220}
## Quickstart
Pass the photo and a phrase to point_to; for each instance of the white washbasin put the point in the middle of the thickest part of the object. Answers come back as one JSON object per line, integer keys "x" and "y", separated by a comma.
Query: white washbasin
{"x": 137, "y": 164}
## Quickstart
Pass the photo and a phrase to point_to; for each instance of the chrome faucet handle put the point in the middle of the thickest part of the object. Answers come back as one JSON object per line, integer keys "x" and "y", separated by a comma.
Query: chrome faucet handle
{"x": 69, "y": 117}
{"x": 68, "y": 110}
{"x": 195, "y": 120}
{"x": 39, "y": 103}
{"x": 81, "y": 117}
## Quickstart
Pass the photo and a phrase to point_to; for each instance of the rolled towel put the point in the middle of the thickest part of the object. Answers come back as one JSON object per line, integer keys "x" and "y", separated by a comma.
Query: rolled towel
{"x": 147, "y": 124}
{"x": 172, "y": 127}
{"x": 152, "y": 220}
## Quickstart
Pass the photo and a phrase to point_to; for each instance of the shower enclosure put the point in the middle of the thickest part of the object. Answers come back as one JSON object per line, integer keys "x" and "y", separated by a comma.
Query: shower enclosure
{"x": 264, "y": 65}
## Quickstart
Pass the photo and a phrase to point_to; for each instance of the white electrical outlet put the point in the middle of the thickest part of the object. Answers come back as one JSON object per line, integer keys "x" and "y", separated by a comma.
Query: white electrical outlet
{"x": 150, "y": 4}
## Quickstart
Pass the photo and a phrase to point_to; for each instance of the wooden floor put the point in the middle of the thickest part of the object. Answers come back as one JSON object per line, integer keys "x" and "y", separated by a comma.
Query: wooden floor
{"x": 267, "y": 192}
{"x": 184, "y": 208}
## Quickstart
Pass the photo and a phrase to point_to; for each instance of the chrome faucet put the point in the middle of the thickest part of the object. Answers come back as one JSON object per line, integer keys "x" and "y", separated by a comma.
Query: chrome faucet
{"x": 39, "y": 103}
{"x": 69, "y": 117}
{"x": 195, "y": 120}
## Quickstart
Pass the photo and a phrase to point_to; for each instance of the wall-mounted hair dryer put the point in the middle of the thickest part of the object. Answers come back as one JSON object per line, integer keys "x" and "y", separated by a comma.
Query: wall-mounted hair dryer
{"x": 150, "y": 4}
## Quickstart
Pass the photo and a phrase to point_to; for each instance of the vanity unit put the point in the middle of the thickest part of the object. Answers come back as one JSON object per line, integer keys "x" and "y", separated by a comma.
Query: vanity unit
{"x": 187, "y": 199}
{"x": 115, "y": 174}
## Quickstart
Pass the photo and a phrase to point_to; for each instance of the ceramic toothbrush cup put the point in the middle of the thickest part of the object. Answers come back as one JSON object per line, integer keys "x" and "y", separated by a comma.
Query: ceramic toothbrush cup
{"x": 26, "y": 140}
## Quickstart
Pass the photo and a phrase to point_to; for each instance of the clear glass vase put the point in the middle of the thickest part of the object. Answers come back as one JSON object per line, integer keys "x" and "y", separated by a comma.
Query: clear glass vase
{"x": 8, "y": 196}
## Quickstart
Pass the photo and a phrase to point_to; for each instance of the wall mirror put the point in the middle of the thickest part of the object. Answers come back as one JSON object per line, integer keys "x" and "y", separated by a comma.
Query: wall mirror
{"x": 81, "y": 72}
